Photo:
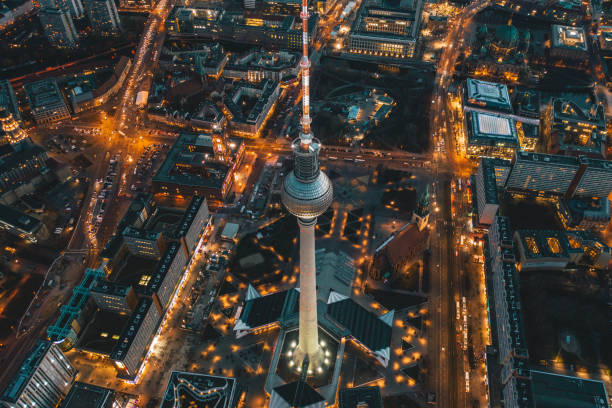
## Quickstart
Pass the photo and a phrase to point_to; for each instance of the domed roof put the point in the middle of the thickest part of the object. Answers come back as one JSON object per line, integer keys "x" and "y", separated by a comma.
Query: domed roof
{"x": 507, "y": 36}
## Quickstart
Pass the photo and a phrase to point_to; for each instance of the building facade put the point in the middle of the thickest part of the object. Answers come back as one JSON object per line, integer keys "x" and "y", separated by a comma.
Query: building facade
{"x": 385, "y": 32}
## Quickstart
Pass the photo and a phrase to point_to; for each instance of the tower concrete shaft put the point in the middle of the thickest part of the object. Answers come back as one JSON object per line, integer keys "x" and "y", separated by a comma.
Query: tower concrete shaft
{"x": 308, "y": 343}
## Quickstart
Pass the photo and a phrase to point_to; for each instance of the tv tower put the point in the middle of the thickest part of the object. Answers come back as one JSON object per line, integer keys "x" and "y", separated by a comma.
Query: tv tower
{"x": 307, "y": 193}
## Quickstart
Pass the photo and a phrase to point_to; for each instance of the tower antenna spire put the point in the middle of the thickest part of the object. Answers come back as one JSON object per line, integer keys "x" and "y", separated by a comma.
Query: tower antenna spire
{"x": 306, "y": 134}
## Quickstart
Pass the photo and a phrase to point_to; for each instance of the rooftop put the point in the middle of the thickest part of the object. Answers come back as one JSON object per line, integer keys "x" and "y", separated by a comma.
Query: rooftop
{"x": 561, "y": 391}
{"x": 544, "y": 244}
{"x": 573, "y": 38}
{"x": 194, "y": 390}
{"x": 369, "y": 329}
{"x": 360, "y": 397}
{"x": 307, "y": 397}
{"x": 103, "y": 331}
{"x": 44, "y": 94}
{"x": 488, "y": 94}
{"x": 189, "y": 162}
{"x": 83, "y": 395}
{"x": 491, "y": 129}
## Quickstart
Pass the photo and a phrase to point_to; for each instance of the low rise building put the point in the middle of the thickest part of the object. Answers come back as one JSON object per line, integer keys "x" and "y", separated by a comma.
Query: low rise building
{"x": 46, "y": 101}
{"x": 555, "y": 250}
{"x": 44, "y": 377}
{"x": 393, "y": 255}
{"x": 199, "y": 165}
{"x": 209, "y": 118}
{"x": 249, "y": 106}
{"x": 82, "y": 101}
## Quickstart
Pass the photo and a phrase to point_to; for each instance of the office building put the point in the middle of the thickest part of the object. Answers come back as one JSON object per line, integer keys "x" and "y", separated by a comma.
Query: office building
{"x": 58, "y": 27}
{"x": 72, "y": 7}
{"x": 490, "y": 135}
{"x": 486, "y": 96}
{"x": 511, "y": 344}
{"x": 485, "y": 192}
{"x": 192, "y": 226}
{"x": 262, "y": 30}
{"x": 22, "y": 225}
{"x": 542, "y": 173}
{"x": 187, "y": 390}
{"x": 249, "y": 106}
{"x": 385, "y": 32}
{"x": 46, "y": 101}
{"x": 103, "y": 17}
{"x": 11, "y": 131}
{"x": 44, "y": 377}
{"x": 83, "y": 395}
{"x": 596, "y": 178}
{"x": 570, "y": 130}
{"x": 115, "y": 297}
{"x": 161, "y": 283}
{"x": 197, "y": 166}
{"x": 539, "y": 174}
{"x": 133, "y": 343}
{"x": 8, "y": 100}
